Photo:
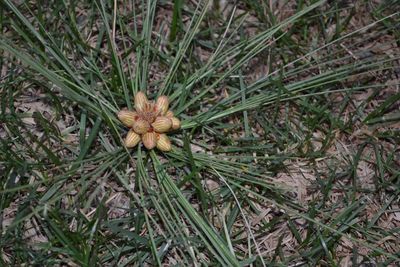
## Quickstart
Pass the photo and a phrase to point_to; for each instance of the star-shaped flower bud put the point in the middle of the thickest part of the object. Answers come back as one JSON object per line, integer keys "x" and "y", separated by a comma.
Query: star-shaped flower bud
{"x": 149, "y": 123}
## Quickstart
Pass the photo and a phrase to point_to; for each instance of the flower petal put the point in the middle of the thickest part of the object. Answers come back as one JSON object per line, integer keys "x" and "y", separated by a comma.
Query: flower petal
{"x": 127, "y": 117}
{"x": 141, "y": 126}
{"x": 163, "y": 142}
{"x": 149, "y": 140}
{"x": 162, "y": 104}
{"x": 140, "y": 101}
{"x": 169, "y": 114}
{"x": 176, "y": 123}
{"x": 132, "y": 139}
{"x": 162, "y": 124}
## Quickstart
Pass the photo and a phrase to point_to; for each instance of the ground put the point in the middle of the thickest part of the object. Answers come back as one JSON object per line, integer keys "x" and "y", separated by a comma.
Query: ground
{"x": 288, "y": 153}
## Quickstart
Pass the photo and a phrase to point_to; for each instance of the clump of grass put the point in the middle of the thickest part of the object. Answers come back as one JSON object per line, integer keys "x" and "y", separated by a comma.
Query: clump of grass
{"x": 288, "y": 153}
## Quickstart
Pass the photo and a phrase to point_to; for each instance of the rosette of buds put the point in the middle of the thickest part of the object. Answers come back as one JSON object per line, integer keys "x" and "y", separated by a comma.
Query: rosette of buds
{"x": 149, "y": 123}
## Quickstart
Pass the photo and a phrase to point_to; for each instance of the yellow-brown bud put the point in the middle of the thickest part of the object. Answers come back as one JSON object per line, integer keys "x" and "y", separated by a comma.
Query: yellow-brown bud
{"x": 162, "y": 124}
{"x": 127, "y": 117}
{"x": 132, "y": 139}
{"x": 163, "y": 142}
{"x": 149, "y": 140}
{"x": 141, "y": 126}
{"x": 176, "y": 123}
{"x": 140, "y": 101}
{"x": 169, "y": 114}
{"x": 162, "y": 104}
